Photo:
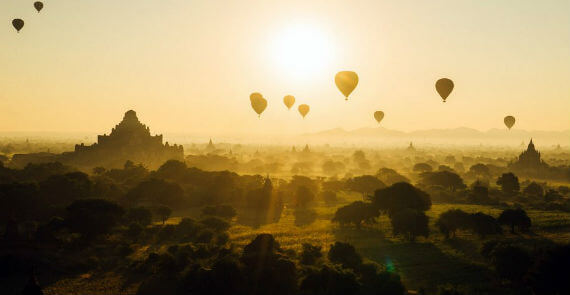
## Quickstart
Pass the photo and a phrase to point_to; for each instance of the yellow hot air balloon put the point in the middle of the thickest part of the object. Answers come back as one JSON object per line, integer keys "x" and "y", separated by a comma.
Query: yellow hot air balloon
{"x": 346, "y": 81}
{"x": 444, "y": 87}
{"x": 289, "y": 101}
{"x": 379, "y": 115}
{"x": 304, "y": 110}
{"x": 509, "y": 121}
{"x": 258, "y": 103}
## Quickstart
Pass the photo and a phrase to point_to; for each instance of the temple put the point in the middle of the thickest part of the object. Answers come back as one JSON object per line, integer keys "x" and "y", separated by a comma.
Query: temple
{"x": 529, "y": 159}
{"x": 130, "y": 140}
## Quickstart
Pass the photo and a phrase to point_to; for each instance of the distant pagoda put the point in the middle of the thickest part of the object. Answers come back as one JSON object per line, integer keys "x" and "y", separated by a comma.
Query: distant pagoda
{"x": 130, "y": 140}
{"x": 529, "y": 159}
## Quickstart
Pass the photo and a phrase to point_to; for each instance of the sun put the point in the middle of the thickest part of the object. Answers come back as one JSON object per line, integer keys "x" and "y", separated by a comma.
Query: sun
{"x": 302, "y": 51}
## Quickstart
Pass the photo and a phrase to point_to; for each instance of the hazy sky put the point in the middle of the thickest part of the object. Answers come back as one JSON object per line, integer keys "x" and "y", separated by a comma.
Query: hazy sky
{"x": 189, "y": 66}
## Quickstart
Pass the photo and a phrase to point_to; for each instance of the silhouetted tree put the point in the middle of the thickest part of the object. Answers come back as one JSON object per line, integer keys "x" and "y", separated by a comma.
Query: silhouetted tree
{"x": 303, "y": 197}
{"x": 344, "y": 254}
{"x": 156, "y": 191}
{"x": 64, "y": 189}
{"x": 450, "y": 221}
{"x": 310, "y": 254}
{"x": 140, "y": 215}
{"x": 356, "y": 213}
{"x": 92, "y": 217}
{"x": 365, "y": 184}
{"x": 422, "y": 167}
{"x": 400, "y": 196}
{"x": 330, "y": 280}
{"x": 329, "y": 197}
{"x": 515, "y": 217}
{"x": 215, "y": 223}
{"x": 410, "y": 223}
{"x": 480, "y": 170}
{"x": 479, "y": 194}
{"x": 509, "y": 183}
{"x": 483, "y": 225}
{"x": 510, "y": 262}
{"x": 534, "y": 190}
{"x": 550, "y": 273}
{"x": 446, "y": 179}
{"x": 163, "y": 212}
{"x": 390, "y": 176}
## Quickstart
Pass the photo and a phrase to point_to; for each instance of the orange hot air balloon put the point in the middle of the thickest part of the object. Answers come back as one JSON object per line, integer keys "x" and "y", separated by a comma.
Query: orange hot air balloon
{"x": 378, "y": 115}
{"x": 346, "y": 81}
{"x": 289, "y": 101}
{"x": 304, "y": 110}
{"x": 18, "y": 24}
{"x": 38, "y": 6}
{"x": 258, "y": 103}
{"x": 509, "y": 121}
{"x": 444, "y": 87}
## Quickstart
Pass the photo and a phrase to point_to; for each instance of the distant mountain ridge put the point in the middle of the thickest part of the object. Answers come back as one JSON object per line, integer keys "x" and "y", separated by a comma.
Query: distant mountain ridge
{"x": 451, "y": 135}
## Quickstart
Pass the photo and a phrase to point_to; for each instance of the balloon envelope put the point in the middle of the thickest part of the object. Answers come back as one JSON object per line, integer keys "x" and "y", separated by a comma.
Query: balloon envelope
{"x": 18, "y": 24}
{"x": 39, "y": 6}
{"x": 289, "y": 101}
{"x": 509, "y": 121}
{"x": 346, "y": 81}
{"x": 378, "y": 115}
{"x": 258, "y": 103}
{"x": 304, "y": 110}
{"x": 444, "y": 87}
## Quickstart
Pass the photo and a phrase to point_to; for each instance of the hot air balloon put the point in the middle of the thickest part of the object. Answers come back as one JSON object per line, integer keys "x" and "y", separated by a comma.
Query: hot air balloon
{"x": 18, "y": 24}
{"x": 258, "y": 103}
{"x": 39, "y": 6}
{"x": 509, "y": 121}
{"x": 444, "y": 87}
{"x": 289, "y": 101}
{"x": 304, "y": 110}
{"x": 379, "y": 115}
{"x": 346, "y": 81}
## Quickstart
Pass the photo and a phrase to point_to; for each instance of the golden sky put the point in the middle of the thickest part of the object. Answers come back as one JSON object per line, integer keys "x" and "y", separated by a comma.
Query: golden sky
{"x": 188, "y": 66}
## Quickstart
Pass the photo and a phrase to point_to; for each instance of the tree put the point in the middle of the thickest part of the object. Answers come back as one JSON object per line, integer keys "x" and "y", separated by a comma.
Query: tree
{"x": 509, "y": 183}
{"x": 515, "y": 217}
{"x": 139, "y": 215}
{"x": 356, "y": 213}
{"x": 330, "y": 280}
{"x": 64, "y": 189}
{"x": 310, "y": 254}
{"x": 534, "y": 190}
{"x": 480, "y": 170}
{"x": 215, "y": 223}
{"x": 344, "y": 254}
{"x": 450, "y": 221}
{"x": 447, "y": 179}
{"x": 303, "y": 197}
{"x": 92, "y": 217}
{"x": 156, "y": 191}
{"x": 483, "y": 225}
{"x": 329, "y": 197}
{"x": 479, "y": 194}
{"x": 163, "y": 212}
{"x": 365, "y": 184}
{"x": 390, "y": 176}
{"x": 422, "y": 167}
{"x": 510, "y": 262}
{"x": 550, "y": 273}
{"x": 400, "y": 196}
{"x": 410, "y": 223}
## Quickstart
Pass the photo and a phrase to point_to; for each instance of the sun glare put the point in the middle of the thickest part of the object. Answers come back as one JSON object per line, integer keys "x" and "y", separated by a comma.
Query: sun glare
{"x": 301, "y": 51}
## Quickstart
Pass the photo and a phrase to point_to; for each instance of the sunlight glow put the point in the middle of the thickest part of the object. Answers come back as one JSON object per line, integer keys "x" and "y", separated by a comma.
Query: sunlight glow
{"x": 301, "y": 51}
